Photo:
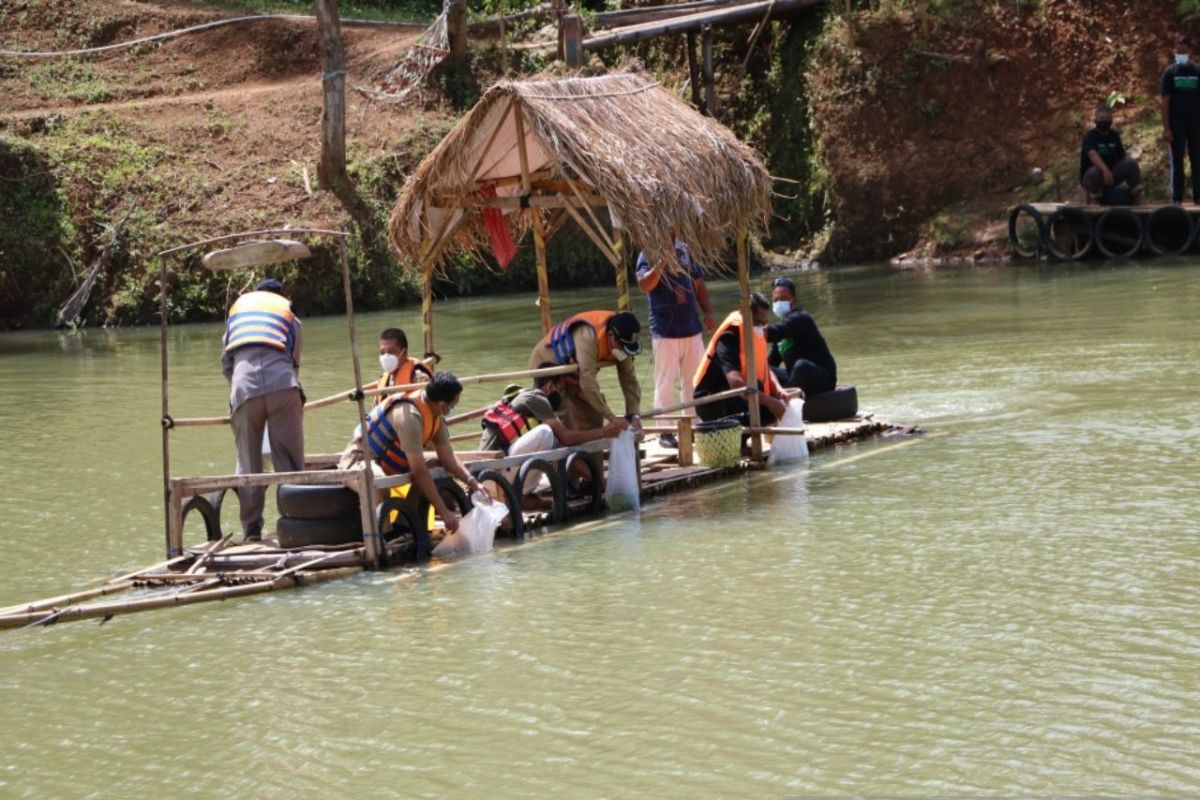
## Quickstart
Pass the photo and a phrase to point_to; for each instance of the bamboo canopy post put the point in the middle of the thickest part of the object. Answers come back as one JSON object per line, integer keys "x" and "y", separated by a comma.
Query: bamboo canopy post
{"x": 427, "y": 309}
{"x": 621, "y": 270}
{"x": 366, "y": 492}
{"x": 748, "y": 346}
{"x": 166, "y": 412}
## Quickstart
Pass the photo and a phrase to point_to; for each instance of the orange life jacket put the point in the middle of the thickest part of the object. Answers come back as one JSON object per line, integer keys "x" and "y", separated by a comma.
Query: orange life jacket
{"x": 765, "y": 377}
{"x": 383, "y": 440}
{"x": 403, "y": 374}
{"x": 260, "y": 318}
{"x": 562, "y": 343}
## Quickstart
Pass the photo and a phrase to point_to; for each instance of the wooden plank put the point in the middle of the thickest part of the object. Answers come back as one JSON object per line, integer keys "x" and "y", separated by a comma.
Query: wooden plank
{"x": 737, "y": 15}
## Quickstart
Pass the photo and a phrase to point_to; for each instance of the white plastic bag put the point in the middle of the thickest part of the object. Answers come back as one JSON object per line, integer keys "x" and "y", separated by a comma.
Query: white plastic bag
{"x": 790, "y": 447}
{"x": 476, "y": 530}
{"x": 621, "y": 491}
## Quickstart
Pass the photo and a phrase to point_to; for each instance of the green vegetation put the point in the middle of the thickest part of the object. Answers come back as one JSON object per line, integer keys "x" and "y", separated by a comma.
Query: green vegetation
{"x": 71, "y": 80}
{"x": 384, "y": 10}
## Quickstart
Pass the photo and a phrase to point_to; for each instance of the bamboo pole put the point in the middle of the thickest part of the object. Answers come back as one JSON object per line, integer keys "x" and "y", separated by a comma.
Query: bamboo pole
{"x": 748, "y": 346}
{"x": 777, "y": 431}
{"x": 699, "y": 401}
{"x": 706, "y": 55}
{"x": 427, "y": 309}
{"x": 176, "y": 598}
{"x": 366, "y": 492}
{"x": 619, "y": 240}
{"x": 189, "y": 486}
{"x": 67, "y": 599}
{"x": 601, "y": 244}
{"x": 333, "y": 399}
{"x": 166, "y": 413}
{"x": 212, "y": 550}
{"x": 539, "y": 234}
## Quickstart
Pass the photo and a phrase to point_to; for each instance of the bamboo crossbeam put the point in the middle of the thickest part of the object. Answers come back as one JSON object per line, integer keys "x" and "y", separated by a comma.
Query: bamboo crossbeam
{"x": 517, "y": 203}
{"x": 699, "y": 401}
{"x": 464, "y": 437}
{"x": 180, "y": 598}
{"x": 349, "y": 394}
{"x": 213, "y": 549}
{"x": 264, "y": 562}
{"x": 601, "y": 245}
{"x": 467, "y": 416}
{"x": 776, "y": 431}
{"x": 211, "y": 483}
{"x": 735, "y": 15}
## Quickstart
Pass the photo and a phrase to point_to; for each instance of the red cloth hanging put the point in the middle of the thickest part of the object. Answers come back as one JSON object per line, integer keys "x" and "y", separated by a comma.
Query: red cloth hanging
{"x": 503, "y": 246}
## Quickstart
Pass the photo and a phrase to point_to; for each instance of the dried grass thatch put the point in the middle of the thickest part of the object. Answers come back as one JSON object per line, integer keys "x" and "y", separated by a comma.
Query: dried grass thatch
{"x": 656, "y": 161}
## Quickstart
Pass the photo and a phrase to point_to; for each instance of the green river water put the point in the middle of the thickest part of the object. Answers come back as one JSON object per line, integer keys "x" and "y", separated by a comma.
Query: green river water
{"x": 1007, "y": 607}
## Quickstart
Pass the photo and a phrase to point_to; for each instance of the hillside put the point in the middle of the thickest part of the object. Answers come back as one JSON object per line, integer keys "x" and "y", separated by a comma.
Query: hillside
{"x": 902, "y": 129}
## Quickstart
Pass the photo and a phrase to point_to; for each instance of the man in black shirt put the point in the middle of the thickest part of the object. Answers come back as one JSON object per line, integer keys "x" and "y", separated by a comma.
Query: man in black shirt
{"x": 1181, "y": 117}
{"x": 1102, "y": 161}
{"x": 799, "y": 354}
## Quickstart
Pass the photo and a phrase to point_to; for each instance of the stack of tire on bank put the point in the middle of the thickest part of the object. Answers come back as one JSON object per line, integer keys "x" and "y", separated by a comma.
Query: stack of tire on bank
{"x": 1119, "y": 231}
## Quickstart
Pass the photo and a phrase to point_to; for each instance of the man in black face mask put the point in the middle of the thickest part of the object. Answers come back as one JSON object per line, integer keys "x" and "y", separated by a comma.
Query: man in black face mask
{"x": 528, "y": 422}
{"x": 1102, "y": 161}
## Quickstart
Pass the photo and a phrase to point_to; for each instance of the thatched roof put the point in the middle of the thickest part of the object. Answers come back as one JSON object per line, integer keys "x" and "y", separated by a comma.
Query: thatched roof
{"x": 652, "y": 158}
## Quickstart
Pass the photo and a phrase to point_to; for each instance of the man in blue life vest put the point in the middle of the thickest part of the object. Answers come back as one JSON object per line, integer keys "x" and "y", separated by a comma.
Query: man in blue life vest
{"x": 1181, "y": 117}
{"x": 675, "y": 329}
{"x": 594, "y": 339}
{"x": 261, "y": 361}
{"x": 402, "y": 428}
{"x": 1102, "y": 160}
{"x": 528, "y": 422}
{"x": 799, "y": 355}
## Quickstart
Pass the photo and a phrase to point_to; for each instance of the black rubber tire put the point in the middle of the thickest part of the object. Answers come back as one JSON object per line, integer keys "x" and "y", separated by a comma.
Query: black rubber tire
{"x": 516, "y": 520}
{"x": 1105, "y": 219}
{"x": 451, "y": 492}
{"x": 594, "y": 469}
{"x": 212, "y": 517}
{"x": 407, "y": 520}
{"x": 316, "y": 502}
{"x": 1036, "y": 216}
{"x": 1158, "y": 214}
{"x": 841, "y": 403}
{"x": 295, "y": 532}
{"x": 558, "y": 507}
{"x": 1079, "y": 221}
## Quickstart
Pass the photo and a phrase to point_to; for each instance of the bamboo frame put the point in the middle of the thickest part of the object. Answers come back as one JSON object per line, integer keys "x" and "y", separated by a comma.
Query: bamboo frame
{"x": 748, "y": 347}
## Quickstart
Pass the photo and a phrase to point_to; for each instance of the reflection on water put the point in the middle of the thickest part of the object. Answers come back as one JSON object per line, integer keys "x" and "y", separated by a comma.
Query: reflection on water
{"x": 1008, "y": 607}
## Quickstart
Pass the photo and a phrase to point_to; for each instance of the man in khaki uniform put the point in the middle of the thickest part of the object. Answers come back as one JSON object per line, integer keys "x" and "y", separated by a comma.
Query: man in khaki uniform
{"x": 594, "y": 339}
{"x": 402, "y": 428}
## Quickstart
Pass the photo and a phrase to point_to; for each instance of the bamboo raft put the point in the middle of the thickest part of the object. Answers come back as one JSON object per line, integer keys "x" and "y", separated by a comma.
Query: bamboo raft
{"x": 527, "y": 149}
{"x": 221, "y": 570}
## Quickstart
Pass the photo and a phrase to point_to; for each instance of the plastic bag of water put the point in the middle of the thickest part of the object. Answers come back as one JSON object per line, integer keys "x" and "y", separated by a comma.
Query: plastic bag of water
{"x": 790, "y": 447}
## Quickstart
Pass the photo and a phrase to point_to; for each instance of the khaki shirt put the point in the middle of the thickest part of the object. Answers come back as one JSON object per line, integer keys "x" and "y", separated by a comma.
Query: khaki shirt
{"x": 586, "y": 350}
{"x": 406, "y": 420}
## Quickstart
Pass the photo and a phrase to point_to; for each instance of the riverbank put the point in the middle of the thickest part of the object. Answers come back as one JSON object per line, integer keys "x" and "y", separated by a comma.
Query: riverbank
{"x": 900, "y": 132}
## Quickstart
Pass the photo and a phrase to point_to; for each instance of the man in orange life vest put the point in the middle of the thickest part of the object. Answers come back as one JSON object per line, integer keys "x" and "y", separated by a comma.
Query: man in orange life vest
{"x": 261, "y": 361}
{"x": 528, "y": 422}
{"x": 403, "y": 427}
{"x": 398, "y": 368}
{"x": 724, "y": 368}
{"x": 594, "y": 339}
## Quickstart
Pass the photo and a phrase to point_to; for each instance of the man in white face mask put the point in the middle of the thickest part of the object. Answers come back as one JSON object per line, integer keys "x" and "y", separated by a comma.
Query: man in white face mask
{"x": 398, "y": 368}
{"x": 799, "y": 355}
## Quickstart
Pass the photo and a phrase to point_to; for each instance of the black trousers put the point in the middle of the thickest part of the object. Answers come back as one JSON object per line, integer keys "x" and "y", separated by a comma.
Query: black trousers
{"x": 1186, "y": 136}
{"x": 809, "y": 376}
{"x": 732, "y": 407}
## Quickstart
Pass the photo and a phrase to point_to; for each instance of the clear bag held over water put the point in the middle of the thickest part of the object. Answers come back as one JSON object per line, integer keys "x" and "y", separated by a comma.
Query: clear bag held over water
{"x": 790, "y": 447}
{"x": 621, "y": 489}
{"x": 477, "y": 530}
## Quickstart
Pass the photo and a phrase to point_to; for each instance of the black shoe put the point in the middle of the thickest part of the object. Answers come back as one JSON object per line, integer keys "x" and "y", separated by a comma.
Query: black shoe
{"x": 668, "y": 440}
{"x": 254, "y": 533}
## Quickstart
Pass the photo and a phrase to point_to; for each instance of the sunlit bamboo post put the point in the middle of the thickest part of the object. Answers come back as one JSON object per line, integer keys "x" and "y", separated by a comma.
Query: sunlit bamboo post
{"x": 539, "y": 231}
{"x": 166, "y": 417}
{"x": 366, "y": 490}
{"x": 748, "y": 345}
{"x": 619, "y": 248}
{"x": 427, "y": 308}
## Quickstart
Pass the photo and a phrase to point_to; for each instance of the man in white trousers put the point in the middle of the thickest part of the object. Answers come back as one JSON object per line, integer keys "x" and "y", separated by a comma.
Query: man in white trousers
{"x": 675, "y": 328}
